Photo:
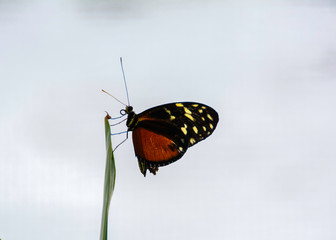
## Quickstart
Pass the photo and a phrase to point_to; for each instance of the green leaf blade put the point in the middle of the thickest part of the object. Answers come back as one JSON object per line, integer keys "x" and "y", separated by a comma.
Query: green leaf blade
{"x": 110, "y": 175}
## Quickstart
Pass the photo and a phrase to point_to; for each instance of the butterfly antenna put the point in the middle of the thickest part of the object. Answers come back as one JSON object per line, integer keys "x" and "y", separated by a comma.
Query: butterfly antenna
{"x": 114, "y": 97}
{"x": 122, "y": 69}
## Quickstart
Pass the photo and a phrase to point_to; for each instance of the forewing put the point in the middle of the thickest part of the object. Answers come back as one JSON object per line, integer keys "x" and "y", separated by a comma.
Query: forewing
{"x": 187, "y": 122}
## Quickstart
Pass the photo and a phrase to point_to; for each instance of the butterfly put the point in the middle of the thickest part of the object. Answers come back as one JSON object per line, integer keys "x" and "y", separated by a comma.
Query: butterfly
{"x": 161, "y": 135}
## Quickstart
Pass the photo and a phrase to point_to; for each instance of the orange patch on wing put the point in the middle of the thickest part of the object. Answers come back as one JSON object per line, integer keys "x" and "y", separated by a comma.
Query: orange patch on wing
{"x": 153, "y": 147}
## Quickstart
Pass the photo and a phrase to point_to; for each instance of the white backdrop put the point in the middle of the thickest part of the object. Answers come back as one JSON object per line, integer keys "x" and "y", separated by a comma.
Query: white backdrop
{"x": 268, "y": 68}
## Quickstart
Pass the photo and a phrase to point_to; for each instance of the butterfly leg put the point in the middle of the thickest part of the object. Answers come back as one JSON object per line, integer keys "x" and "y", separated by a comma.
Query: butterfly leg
{"x": 115, "y": 124}
{"x": 122, "y": 141}
{"x": 112, "y": 134}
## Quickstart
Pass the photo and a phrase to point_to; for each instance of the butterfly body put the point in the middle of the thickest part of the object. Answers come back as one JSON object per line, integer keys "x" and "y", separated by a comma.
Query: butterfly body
{"x": 162, "y": 134}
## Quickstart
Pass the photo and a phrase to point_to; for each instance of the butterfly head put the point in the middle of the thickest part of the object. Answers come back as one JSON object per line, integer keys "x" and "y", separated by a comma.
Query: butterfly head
{"x": 128, "y": 109}
{"x": 132, "y": 118}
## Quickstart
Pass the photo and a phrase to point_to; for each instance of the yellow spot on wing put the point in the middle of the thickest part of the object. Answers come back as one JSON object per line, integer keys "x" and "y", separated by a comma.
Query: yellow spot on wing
{"x": 200, "y": 110}
{"x": 169, "y": 112}
{"x": 209, "y": 117}
{"x": 179, "y": 105}
{"x": 195, "y": 105}
{"x": 189, "y": 116}
{"x": 210, "y": 125}
{"x": 192, "y": 140}
{"x": 184, "y": 130}
{"x": 195, "y": 129}
{"x": 204, "y": 128}
{"x": 187, "y": 110}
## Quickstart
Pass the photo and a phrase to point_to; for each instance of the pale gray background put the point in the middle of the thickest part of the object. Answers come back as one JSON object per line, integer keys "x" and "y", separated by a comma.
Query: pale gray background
{"x": 268, "y": 67}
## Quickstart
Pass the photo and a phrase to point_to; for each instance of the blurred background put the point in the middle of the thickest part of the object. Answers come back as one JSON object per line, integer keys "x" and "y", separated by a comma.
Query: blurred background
{"x": 267, "y": 67}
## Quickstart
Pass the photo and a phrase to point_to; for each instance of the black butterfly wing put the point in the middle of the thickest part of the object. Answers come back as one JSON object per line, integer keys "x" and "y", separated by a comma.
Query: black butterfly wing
{"x": 163, "y": 133}
{"x": 194, "y": 121}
